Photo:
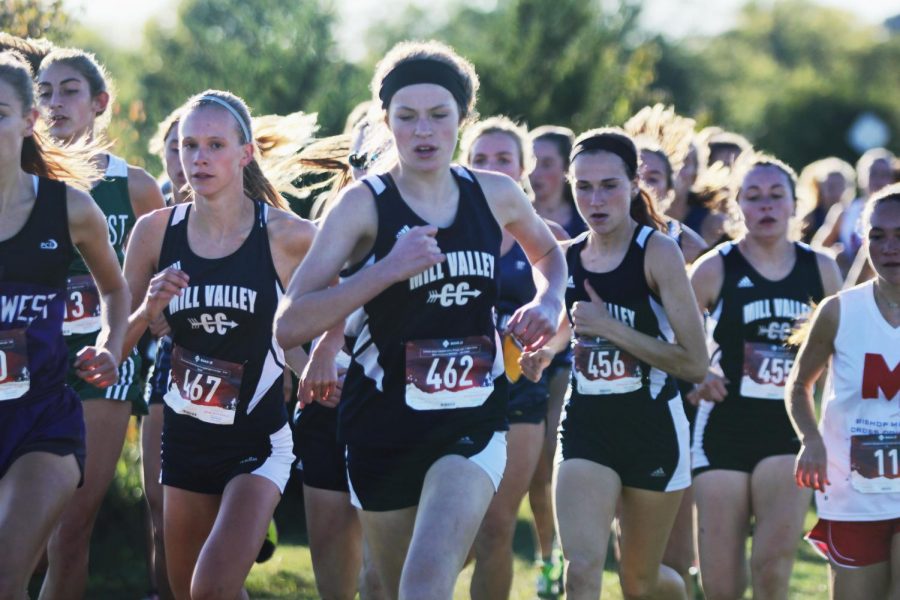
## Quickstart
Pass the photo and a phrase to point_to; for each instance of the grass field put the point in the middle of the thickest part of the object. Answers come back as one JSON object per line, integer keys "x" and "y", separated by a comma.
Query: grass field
{"x": 118, "y": 568}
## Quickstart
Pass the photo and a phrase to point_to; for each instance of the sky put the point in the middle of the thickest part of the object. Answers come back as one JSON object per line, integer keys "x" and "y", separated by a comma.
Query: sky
{"x": 123, "y": 20}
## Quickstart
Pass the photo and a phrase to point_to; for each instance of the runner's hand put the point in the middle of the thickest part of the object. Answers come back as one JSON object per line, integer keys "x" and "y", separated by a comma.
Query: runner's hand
{"x": 534, "y": 363}
{"x": 811, "y": 466}
{"x": 164, "y": 286}
{"x": 414, "y": 252}
{"x": 712, "y": 388}
{"x": 97, "y": 366}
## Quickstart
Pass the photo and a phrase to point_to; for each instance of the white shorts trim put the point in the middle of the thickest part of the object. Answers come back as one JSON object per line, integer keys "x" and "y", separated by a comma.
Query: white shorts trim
{"x": 277, "y": 467}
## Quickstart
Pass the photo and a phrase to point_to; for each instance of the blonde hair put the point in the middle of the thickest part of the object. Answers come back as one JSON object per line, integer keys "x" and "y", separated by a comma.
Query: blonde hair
{"x": 275, "y": 142}
{"x": 40, "y": 154}
{"x": 658, "y": 128}
{"x": 814, "y": 175}
{"x": 498, "y": 124}
{"x": 157, "y": 143}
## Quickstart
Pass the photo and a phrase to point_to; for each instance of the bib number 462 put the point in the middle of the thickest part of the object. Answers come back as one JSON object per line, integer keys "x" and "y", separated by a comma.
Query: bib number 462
{"x": 450, "y": 377}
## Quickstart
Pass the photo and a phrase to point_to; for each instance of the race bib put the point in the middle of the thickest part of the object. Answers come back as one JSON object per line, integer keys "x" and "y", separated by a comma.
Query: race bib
{"x": 82, "y": 306}
{"x": 766, "y": 369}
{"x": 602, "y": 368}
{"x": 874, "y": 463}
{"x": 449, "y": 373}
{"x": 15, "y": 379}
{"x": 204, "y": 388}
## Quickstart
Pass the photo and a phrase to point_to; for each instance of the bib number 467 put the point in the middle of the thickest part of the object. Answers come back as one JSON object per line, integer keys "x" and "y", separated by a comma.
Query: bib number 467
{"x": 195, "y": 384}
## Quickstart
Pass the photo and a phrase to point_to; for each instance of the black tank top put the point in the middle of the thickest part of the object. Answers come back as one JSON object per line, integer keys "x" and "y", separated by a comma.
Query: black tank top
{"x": 425, "y": 364}
{"x": 33, "y": 268}
{"x": 754, "y": 317}
{"x": 226, "y": 368}
{"x": 599, "y": 367}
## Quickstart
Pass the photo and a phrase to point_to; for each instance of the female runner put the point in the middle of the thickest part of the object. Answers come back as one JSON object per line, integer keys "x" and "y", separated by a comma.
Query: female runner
{"x": 624, "y": 435}
{"x": 851, "y": 458}
{"x": 42, "y": 223}
{"x": 221, "y": 262}
{"x": 423, "y": 405}
{"x": 755, "y": 290}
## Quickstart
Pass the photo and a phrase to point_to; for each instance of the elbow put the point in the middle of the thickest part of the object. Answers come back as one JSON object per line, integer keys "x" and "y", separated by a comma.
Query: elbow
{"x": 696, "y": 369}
{"x": 289, "y": 332}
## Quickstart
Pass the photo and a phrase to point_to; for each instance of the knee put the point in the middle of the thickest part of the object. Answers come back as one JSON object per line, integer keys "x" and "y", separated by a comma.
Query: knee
{"x": 720, "y": 588}
{"x": 636, "y": 586}
{"x": 771, "y": 570}
{"x": 583, "y": 573}
{"x": 211, "y": 588}
{"x": 496, "y": 532}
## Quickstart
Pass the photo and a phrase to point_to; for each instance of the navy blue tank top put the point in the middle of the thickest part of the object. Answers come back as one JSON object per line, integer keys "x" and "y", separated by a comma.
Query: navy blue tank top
{"x": 34, "y": 264}
{"x": 516, "y": 283}
{"x": 225, "y": 382}
{"x": 425, "y": 360}
{"x": 599, "y": 367}
{"x": 753, "y": 318}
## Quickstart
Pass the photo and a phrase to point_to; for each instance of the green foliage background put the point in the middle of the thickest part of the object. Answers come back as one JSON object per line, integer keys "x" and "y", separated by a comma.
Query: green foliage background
{"x": 791, "y": 75}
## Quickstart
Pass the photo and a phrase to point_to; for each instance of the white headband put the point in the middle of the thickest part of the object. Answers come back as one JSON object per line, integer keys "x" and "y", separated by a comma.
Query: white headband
{"x": 237, "y": 116}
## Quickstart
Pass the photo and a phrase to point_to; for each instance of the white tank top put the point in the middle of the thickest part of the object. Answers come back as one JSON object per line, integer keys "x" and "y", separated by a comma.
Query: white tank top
{"x": 861, "y": 415}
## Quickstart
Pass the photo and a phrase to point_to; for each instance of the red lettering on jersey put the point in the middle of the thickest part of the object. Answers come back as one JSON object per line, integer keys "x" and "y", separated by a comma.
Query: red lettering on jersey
{"x": 877, "y": 376}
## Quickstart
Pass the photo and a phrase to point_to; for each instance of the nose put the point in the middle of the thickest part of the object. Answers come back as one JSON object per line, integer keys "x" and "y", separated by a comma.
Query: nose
{"x": 423, "y": 127}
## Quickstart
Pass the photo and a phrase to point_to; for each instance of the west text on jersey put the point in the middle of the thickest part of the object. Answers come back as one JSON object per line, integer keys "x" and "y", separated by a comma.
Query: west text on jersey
{"x": 24, "y": 308}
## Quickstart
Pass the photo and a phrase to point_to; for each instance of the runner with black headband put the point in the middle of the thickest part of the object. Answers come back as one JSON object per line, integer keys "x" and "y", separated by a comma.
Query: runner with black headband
{"x": 624, "y": 435}
{"x": 220, "y": 263}
{"x": 423, "y": 408}
{"x": 42, "y": 224}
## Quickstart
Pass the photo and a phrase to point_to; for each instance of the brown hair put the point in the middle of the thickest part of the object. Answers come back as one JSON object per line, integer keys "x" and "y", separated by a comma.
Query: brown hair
{"x": 498, "y": 124}
{"x": 889, "y": 193}
{"x": 157, "y": 144}
{"x": 40, "y": 155}
{"x": 94, "y": 73}
{"x": 643, "y": 208}
{"x": 433, "y": 50}
{"x": 31, "y": 50}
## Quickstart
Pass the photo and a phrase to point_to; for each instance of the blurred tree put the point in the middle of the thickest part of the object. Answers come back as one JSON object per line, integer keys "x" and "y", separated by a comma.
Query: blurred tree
{"x": 279, "y": 55}
{"x": 792, "y": 76}
{"x": 35, "y": 18}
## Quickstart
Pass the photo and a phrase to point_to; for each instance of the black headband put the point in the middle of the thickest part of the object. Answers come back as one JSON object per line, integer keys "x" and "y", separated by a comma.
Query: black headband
{"x": 617, "y": 144}
{"x": 423, "y": 70}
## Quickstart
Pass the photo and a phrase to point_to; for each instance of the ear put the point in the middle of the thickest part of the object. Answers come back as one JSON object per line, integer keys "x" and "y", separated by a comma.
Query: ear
{"x": 246, "y": 154}
{"x": 31, "y": 117}
{"x": 100, "y": 102}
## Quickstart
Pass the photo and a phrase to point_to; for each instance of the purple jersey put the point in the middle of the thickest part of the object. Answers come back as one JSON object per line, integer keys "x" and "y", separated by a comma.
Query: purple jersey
{"x": 33, "y": 268}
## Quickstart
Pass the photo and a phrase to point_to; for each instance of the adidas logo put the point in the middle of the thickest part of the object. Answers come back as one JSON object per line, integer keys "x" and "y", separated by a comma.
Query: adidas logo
{"x": 658, "y": 473}
{"x": 570, "y": 283}
{"x": 745, "y": 282}
{"x": 49, "y": 245}
{"x": 466, "y": 441}
{"x": 402, "y": 231}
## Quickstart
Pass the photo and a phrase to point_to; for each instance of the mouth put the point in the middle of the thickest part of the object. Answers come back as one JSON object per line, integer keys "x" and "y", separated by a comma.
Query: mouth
{"x": 599, "y": 217}
{"x": 57, "y": 120}
{"x": 201, "y": 176}
{"x": 768, "y": 220}
{"x": 425, "y": 150}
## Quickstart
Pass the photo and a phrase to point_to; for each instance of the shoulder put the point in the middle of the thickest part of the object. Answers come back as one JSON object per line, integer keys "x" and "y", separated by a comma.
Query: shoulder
{"x": 290, "y": 232}
{"x": 827, "y": 317}
{"x": 709, "y": 270}
{"x": 496, "y": 186}
{"x": 662, "y": 247}
{"x": 154, "y": 221}
{"x": 354, "y": 209}
{"x": 80, "y": 205}
{"x": 829, "y": 271}
{"x": 141, "y": 184}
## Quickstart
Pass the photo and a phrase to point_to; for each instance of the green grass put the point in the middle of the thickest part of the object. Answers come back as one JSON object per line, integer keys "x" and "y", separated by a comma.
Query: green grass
{"x": 118, "y": 569}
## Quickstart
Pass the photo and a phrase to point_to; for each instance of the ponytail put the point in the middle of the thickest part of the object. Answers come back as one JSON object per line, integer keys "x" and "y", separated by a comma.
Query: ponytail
{"x": 643, "y": 210}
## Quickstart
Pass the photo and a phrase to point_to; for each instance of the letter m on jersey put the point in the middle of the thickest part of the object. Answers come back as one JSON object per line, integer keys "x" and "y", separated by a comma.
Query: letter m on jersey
{"x": 877, "y": 376}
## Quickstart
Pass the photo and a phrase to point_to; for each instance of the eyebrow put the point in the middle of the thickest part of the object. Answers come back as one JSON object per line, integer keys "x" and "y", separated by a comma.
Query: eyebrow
{"x": 5, "y": 104}
{"x": 63, "y": 82}
{"x": 439, "y": 106}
